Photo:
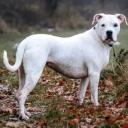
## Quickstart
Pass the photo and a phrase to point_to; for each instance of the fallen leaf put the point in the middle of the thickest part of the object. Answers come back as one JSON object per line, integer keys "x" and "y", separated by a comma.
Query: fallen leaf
{"x": 125, "y": 126}
{"x": 88, "y": 120}
{"x": 108, "y": 83}
{"x": 41, "y": 124}
{"x": 13, "y": 124}
{"x": 74, "y": 122}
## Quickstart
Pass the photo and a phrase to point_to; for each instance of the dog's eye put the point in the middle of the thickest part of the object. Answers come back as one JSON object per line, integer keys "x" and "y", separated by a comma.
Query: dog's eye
{"x": 115, "y": 25}
{"x": 102, "y": 25}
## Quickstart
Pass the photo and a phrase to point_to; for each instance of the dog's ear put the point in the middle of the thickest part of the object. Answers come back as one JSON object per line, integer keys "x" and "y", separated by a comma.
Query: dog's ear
{"x": 97, "y": 17}
{"x": 122, "y": 18}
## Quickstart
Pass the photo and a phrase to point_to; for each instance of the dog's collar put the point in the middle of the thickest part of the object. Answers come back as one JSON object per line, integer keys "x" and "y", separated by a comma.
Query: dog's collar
{"x": 110, "y": 45}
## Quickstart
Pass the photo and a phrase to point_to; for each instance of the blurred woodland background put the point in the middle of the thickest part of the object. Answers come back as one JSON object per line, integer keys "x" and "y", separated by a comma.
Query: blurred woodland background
{"x": 22, "y": 14}
{"x": 53, "y": 102}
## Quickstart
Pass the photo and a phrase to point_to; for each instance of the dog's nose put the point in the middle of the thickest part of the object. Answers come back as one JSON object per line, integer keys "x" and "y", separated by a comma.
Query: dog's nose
{"x": 109, "y": 34}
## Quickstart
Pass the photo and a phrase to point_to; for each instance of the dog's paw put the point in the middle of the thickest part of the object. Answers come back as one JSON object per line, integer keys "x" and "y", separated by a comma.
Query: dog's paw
{"x": 96, "y": 104}
{"x": 92, "y": 100}
{"x": 79, "y": 102}
{"x": 28, "y": 113}
{"x": 23, "y": 117}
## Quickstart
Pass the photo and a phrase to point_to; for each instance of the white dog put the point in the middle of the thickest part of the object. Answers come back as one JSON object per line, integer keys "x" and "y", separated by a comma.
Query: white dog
{"x": 82, "y": 56}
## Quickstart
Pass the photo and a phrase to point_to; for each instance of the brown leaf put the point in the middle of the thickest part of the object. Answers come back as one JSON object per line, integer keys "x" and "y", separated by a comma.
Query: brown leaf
{"x": 13, "y": 124}
{"x": 9, "y": 110}
{"x": 6, "y": 110}
{"x": 33, "y": 109}
{"x": 125, "y": 126}
{"x": 74, "y": 122}
{"x": 3, "y": 96}
{"x": 68, "y": 98}
{"x": 88, "y": 120}
{"x": 62, "y": 82}
{"x": 41, "y": 124}
{"x": 108, "y": 83}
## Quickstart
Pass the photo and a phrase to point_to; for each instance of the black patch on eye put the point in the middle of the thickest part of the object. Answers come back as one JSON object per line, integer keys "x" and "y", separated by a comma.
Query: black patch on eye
{"x": 102, "y": 25}
{"x": 115, "y": 25}
{"x": 94, "y": 28}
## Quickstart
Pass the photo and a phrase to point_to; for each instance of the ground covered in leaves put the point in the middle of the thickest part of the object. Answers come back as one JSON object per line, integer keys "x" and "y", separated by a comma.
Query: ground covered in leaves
{"x": 53, "y": 103}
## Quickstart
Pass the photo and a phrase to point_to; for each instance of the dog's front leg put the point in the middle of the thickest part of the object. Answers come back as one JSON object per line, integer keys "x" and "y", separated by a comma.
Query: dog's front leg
{"x": 94, "y": 81}
{"x": 83, "y": 87}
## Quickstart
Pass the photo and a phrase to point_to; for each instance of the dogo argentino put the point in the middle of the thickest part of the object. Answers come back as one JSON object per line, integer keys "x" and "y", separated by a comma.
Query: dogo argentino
{"x": 81, "y": 56}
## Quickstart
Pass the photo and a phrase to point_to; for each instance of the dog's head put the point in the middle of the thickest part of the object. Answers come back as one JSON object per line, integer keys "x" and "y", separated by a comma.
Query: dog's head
{"x": 108, "y": 26}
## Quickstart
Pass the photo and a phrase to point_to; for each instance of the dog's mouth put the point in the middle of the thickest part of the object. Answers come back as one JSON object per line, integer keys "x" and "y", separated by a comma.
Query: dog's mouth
{"x": 109, "y": 41}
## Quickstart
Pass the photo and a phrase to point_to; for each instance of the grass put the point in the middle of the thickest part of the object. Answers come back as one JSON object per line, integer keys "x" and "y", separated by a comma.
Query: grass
{"x": 123, "y": 38}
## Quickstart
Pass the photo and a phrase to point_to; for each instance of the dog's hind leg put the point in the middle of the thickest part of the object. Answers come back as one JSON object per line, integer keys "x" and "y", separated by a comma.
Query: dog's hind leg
{"x": 32, "y": 75}
{"x": 30, "y": 83}
{"x": 21, "y": 75}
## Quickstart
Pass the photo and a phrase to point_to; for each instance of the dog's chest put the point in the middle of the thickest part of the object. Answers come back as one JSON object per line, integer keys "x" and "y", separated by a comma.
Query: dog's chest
{"x": 104, "y": 58}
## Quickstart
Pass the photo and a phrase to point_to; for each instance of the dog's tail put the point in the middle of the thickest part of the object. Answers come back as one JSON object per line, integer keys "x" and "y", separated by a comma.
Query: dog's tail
{"x": 19, "y": 57}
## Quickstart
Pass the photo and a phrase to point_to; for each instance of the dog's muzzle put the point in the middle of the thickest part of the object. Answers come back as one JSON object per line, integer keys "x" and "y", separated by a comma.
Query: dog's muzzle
{"x": 109, "y": 42}
{"x": 109, "y": 35}
{"x": 109, "y": 38}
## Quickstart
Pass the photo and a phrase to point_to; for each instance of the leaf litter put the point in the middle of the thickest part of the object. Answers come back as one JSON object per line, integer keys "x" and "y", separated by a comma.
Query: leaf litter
{"x": 53, "y": 104}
